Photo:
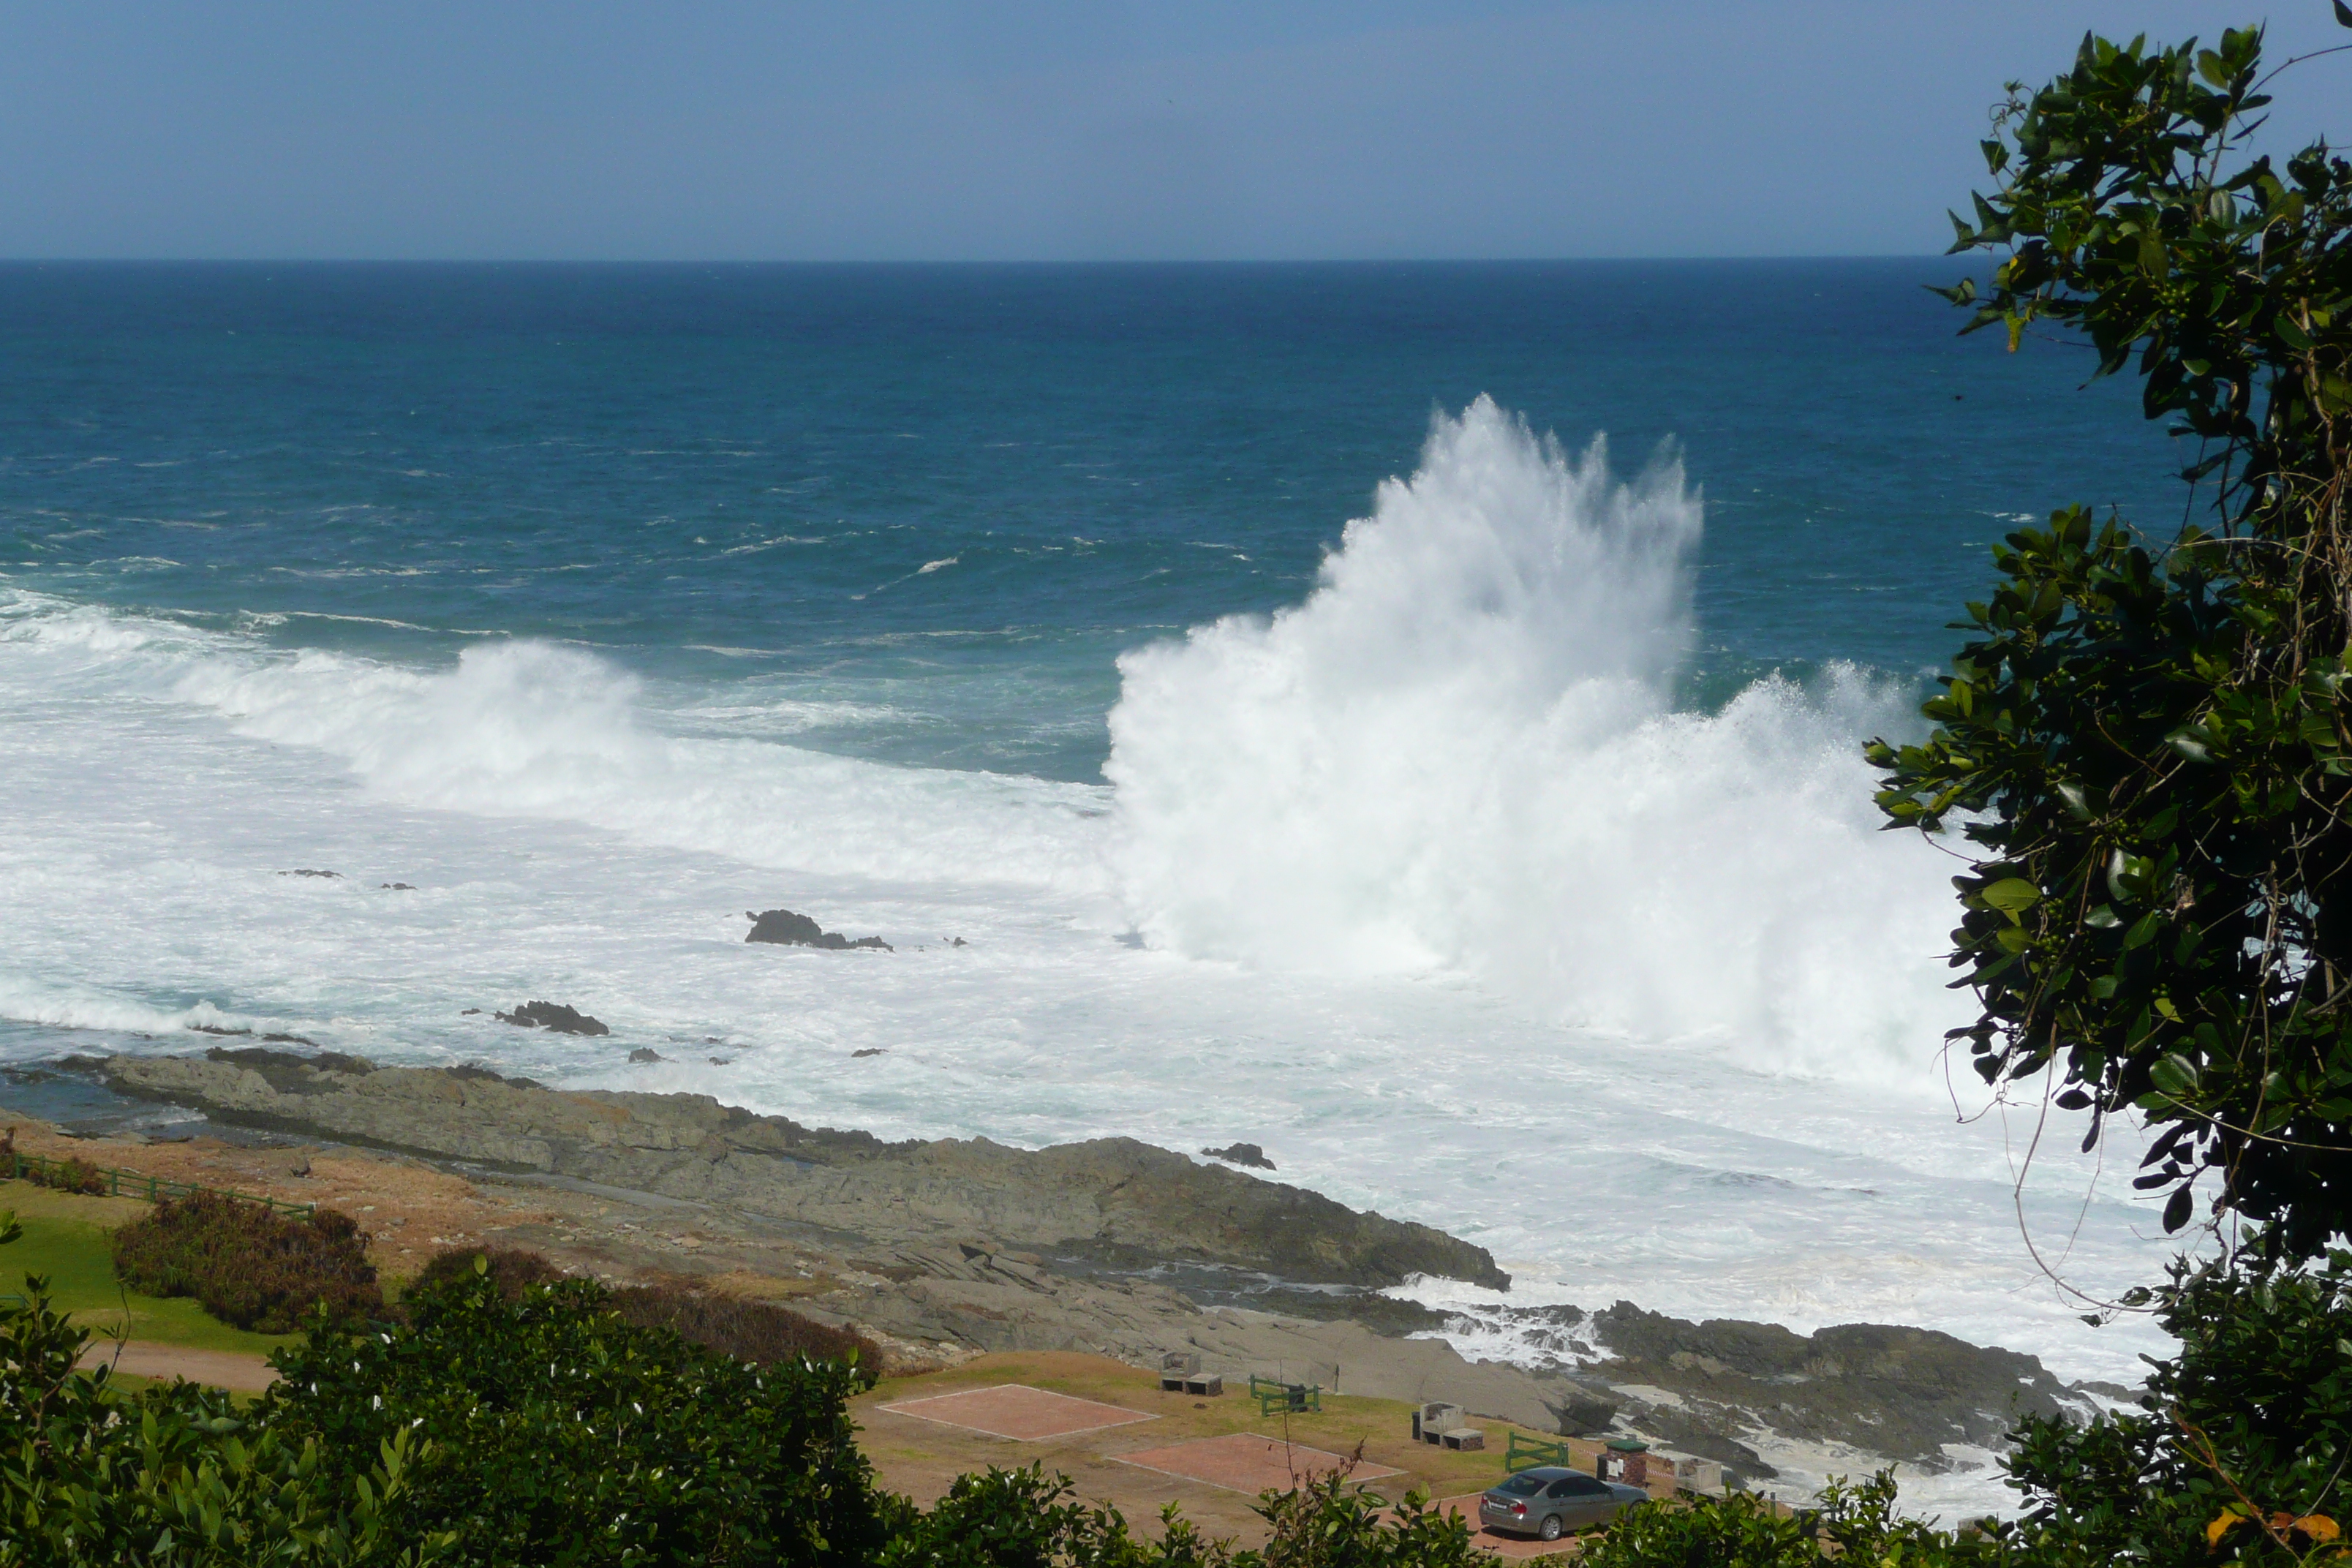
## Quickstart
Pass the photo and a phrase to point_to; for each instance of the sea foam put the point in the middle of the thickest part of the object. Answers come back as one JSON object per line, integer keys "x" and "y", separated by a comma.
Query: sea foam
{"x": 1460, "y": 752}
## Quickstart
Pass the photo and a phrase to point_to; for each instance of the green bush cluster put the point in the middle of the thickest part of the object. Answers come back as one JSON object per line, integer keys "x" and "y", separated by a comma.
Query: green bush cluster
{"x": 757, "y": 1331}
{"x": 249, "y": 1266}
{"x": 69, "y": 1175}
{"x": 499, "y": 1431}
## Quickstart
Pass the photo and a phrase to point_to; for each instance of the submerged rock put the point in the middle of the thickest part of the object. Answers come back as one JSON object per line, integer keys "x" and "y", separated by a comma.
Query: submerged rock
{"x": 552, "y": 1015}
{"x": 1248, "y": 1154}
{"x": 789, "y": 930}
{"x": 305, "y": 871}
{"x": 646, "y": 1054}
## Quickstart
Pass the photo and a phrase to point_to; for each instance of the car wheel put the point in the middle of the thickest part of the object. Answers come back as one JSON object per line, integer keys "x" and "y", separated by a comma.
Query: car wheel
{"x": 1550, "y": 1528}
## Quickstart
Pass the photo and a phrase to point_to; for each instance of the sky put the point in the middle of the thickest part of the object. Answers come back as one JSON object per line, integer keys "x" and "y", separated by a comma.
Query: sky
{"x": 1031, "y": 130}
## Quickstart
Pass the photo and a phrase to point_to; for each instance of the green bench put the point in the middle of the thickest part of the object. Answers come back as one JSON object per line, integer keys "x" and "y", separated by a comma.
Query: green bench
{"x": 1272, "y": 1398}
{"x": 1524, "y": 1453}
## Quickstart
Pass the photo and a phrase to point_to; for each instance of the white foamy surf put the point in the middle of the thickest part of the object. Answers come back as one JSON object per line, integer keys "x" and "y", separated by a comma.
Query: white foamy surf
{"x": 1459, "y": 755}
{"x": 1441, "y": 902}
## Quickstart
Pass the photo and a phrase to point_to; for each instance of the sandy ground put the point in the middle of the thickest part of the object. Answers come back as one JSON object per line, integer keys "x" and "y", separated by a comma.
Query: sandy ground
{"x": 220, "y": 1369}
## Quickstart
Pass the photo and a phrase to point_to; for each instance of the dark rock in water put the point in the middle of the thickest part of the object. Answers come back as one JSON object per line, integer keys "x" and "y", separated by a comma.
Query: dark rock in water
{"x": 1248, "y": 1154}
{"x": 1729, "y": 1452}
{"x": 722, "y": 1061}
{"x": 305, "y": 871}
{"x": 789, "y": 930}
{"x": 646, "y": 1054}
{"x": 871, "y": 1051}
{"x": 471, "y": 1012}
{"x": 1901, "y": 1391}
{"x": 552, "y": 1015}
{"x": 959, "y": 942}
{"x": 397, "y": 886}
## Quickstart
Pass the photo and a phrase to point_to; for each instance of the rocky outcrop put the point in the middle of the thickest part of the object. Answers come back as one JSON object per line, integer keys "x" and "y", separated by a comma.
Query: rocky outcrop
{"x": 789, "y": 930}
{"x": 1710, "y": 1387}
{"x": 1248, "y": 1154}
{"x": 552, "y": 1015}
{"x": 1111, "y": 1204}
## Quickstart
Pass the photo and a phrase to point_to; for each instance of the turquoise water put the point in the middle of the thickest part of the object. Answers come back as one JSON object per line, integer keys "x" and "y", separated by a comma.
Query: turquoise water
{"x": 1306, "y": 750}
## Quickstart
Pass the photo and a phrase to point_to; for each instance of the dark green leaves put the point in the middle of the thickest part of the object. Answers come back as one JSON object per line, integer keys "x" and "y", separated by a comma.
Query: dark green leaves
{"x": 2146, "y": 748}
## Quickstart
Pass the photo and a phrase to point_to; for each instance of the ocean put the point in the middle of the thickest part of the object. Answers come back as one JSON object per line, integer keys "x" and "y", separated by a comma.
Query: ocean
{"x": 1407, "y": 716}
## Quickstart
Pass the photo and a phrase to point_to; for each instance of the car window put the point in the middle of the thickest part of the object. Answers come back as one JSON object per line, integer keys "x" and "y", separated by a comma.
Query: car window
{"x": 1564, "y": 1486}
{"x": 1522, "y": 1486}
{"x": 1587, "y": 1486}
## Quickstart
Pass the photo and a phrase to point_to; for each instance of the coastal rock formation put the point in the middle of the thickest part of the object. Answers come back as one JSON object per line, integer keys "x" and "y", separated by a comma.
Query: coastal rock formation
{"x": 1901, "y": 1391}
{"x": 552, "y": 1015}
{"x": 1710, "y": 1387}
{"x": 1108, "y": 1204}
{"x": 1248, "y": 1154}
{"x": 784, "y": 927}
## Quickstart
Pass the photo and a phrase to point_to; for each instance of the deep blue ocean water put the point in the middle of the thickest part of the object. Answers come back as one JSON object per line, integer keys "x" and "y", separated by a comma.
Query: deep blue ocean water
{"x": 722, "y": 473}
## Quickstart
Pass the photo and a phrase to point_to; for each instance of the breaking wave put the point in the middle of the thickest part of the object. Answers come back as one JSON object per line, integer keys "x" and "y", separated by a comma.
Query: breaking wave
{"x": 1461, "y": 753}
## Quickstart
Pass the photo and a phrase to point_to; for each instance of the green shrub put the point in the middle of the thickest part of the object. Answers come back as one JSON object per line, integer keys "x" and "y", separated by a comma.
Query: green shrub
{"x": 565, "y": 1433}
{"x": 91, "y": 1476}
{"x": 759, "y": 1331}
{"x": 249, "y": 1266}
{"x": 513, "y": 1270}
{"x": 1024, "y": 1518}
{"x": 68, "y": 1175}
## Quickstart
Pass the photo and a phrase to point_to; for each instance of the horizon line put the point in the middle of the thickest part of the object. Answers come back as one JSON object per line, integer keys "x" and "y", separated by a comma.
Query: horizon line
{"x": 23, "y": 261}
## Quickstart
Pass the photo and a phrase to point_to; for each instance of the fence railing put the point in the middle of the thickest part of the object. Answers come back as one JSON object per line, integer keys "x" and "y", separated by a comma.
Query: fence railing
{"x": 1525, "y": 1453}
{"x": 122, "y": 1183}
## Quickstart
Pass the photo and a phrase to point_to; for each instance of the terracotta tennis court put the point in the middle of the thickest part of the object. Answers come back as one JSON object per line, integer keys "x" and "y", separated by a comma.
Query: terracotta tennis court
{"x": 1015, "y": 1410}
{"x": 1244, "y": 1462}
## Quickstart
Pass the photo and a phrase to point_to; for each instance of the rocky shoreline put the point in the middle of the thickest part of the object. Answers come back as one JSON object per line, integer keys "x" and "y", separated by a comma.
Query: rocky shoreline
{"x": 954, "y": 1247}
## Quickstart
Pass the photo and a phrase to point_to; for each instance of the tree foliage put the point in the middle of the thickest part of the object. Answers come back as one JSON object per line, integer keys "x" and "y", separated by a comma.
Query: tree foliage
{"x": 91, "y": 1476}
{"x": 563, "y": 1433}
{"x": 2146, "y": 745}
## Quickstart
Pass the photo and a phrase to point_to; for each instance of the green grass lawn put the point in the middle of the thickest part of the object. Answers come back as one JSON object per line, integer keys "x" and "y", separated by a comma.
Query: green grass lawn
{"x": 66, "y": 1239}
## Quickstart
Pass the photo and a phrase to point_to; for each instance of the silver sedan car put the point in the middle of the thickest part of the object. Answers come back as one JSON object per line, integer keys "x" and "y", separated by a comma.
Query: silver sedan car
{"x": 1549, "y": 1502}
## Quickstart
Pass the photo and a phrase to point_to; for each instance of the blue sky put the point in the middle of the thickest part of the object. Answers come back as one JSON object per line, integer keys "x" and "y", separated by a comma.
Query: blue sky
{"x": 925, "y": 130}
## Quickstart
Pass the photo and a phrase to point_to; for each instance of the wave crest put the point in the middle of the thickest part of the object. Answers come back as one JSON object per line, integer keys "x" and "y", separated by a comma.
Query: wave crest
{"x": 1460, "y": 753}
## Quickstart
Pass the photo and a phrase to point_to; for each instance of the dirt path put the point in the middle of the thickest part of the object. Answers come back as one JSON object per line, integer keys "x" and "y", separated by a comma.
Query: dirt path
{"x": 222, "y": 1368}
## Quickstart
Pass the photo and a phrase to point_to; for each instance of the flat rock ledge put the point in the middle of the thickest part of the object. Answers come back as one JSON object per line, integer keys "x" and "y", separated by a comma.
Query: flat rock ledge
{"x": 1111, "y": 1201}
